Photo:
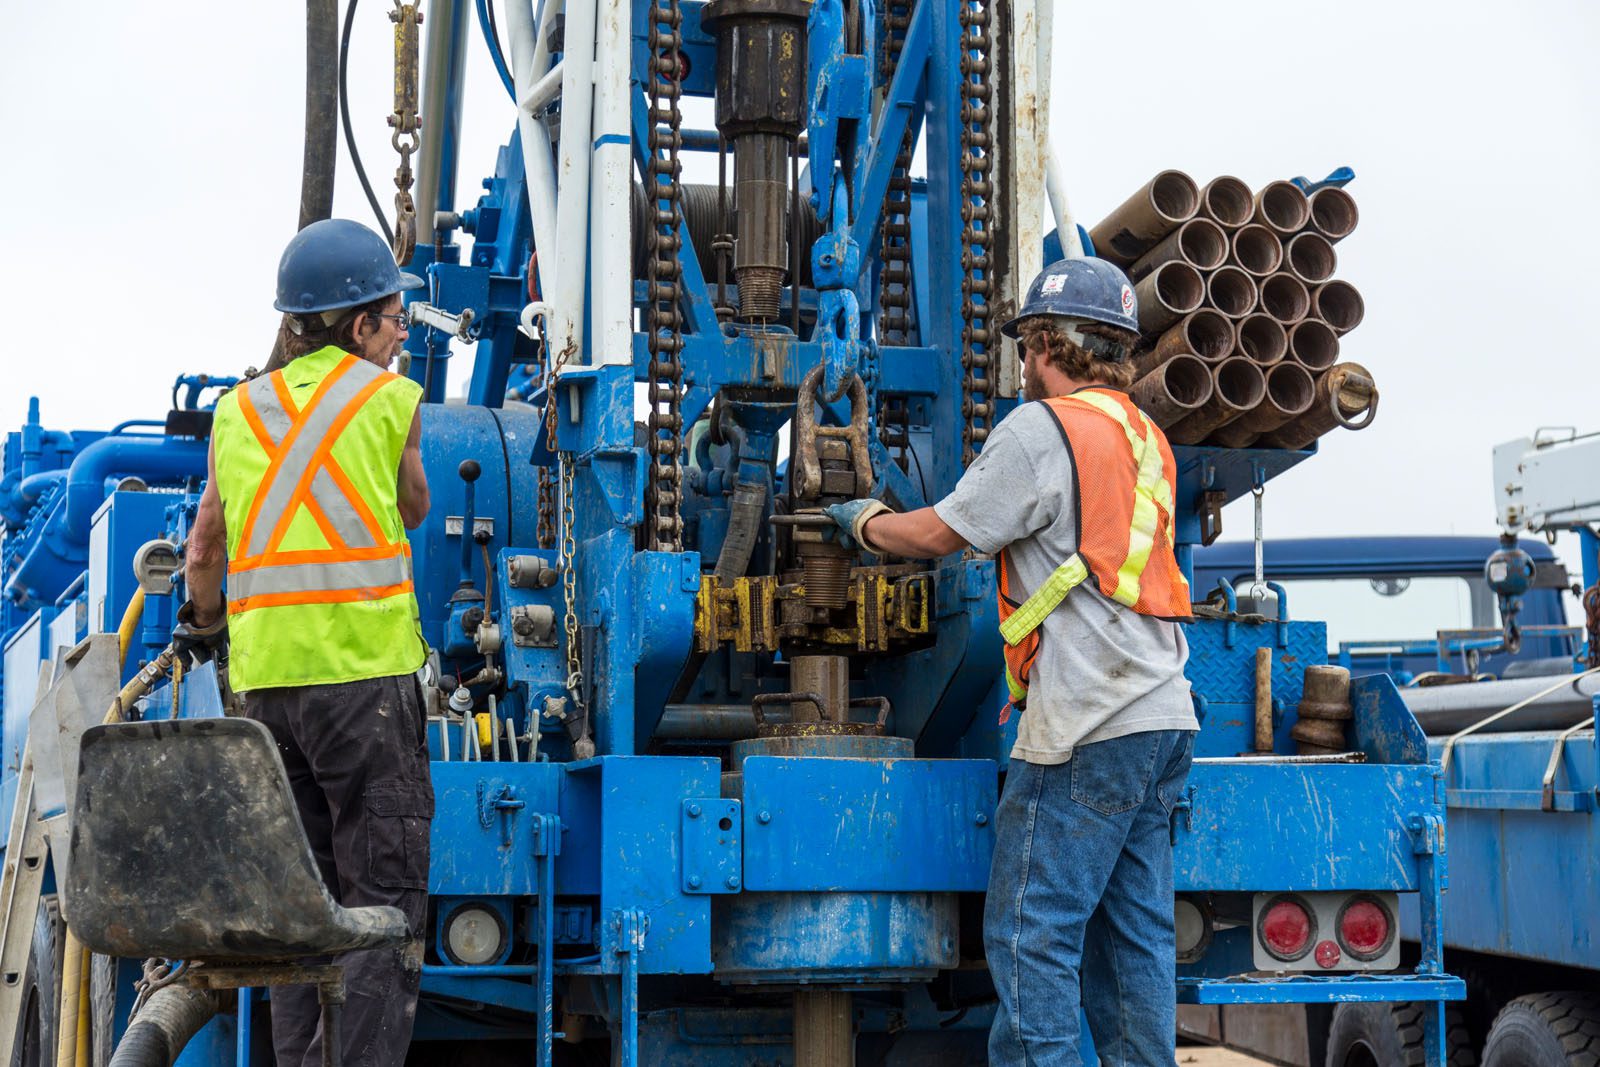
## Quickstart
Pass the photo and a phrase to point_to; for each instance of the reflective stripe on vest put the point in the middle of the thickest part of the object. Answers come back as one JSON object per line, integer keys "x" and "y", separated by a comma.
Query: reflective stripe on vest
{"x": 360, "y": 562}
{"x": 1152, "y": 507}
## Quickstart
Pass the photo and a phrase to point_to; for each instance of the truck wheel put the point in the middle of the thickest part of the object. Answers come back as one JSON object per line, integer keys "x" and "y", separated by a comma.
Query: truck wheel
{"x": 36, "y": 1028}
{"x": 1546, "y": 1030}
{"x": 1390, "y": 1035}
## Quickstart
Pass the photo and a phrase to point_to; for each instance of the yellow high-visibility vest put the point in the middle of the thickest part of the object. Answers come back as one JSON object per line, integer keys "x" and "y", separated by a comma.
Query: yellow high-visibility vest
{"x": 319, "y": 569}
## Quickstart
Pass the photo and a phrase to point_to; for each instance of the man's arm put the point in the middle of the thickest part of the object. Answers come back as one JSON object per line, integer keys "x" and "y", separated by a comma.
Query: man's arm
{"x": 413, "y": 480}
{"x": 206, "y": 557}
{"x": 919, "y": 534}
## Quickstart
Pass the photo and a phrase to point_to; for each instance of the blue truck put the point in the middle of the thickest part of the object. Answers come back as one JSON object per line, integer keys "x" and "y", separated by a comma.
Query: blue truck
{"x": 1522, "y": 914}
{"x": 711, "y": 788}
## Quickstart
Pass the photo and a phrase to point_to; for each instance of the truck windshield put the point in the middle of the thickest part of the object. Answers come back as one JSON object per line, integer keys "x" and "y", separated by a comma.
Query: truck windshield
{"x": 1399, "y": 608}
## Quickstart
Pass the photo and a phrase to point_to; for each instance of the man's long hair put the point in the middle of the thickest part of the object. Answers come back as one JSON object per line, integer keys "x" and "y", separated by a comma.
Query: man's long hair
{"x": 1042, "y": 333}
{"x": 299, "y": 335}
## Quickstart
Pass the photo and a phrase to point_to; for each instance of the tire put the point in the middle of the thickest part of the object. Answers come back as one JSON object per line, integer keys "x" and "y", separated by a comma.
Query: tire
{"x": 1546, "y": 1030}
{"x": 36, "y": 1027}
{"x": 1391, "y": 1035}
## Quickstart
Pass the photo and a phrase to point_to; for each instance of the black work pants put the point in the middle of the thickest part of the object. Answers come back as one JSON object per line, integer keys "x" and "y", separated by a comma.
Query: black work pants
{"x": 357, "y": 757}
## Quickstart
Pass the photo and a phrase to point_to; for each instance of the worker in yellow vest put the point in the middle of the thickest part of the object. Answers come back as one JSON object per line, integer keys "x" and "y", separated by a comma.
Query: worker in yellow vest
{"x": 315, "y": 476}
{"x": 1074, "y": 495}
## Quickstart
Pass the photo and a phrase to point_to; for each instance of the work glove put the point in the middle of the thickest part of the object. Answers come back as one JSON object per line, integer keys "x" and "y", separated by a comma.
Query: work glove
{"x": 199, "y": 643}
{"x": 851, "y": 517}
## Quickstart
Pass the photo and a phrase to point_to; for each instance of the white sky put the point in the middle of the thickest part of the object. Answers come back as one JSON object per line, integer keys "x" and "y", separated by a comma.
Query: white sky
{"x": 153, "y": 157}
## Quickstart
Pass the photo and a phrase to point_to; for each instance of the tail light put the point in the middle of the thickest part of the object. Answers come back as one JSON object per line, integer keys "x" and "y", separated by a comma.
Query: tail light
{"x": 1327, "y": 931}
{"x": 1287, "y": 928}
{"x": 1365, "y": 927}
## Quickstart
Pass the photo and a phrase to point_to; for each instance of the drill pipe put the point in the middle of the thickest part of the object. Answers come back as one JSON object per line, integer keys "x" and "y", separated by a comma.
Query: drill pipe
{"x": 1290, "y": 394}
{"x": 1163, "y": 204}
{"x": 1333, "y": 213}
{"x": 1206, "y": 333}
{"x": 1346, "y": 396}
{"x": 1284, "y": 297}
{"x": 1174, "y": 389}
{"x": 1261, "y": 339}
{"x": 1339, "y": 305}
{"x": 1200, "y": 243}
{"x": 1282, "y": 207}
{"x": 1167, "y": 294}
{"x": 1310, "y": 257}
{"x": 1313, "y": 345}
{"x": 1231, "y": 291}
{"x": 1237, "y": 386}
{"x": 1226, "y": 201}
{"x": 1256, "y": 249}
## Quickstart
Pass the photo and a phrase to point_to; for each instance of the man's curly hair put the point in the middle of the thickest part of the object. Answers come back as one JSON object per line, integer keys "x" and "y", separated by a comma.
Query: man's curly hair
{"x": 1041, "y": 333}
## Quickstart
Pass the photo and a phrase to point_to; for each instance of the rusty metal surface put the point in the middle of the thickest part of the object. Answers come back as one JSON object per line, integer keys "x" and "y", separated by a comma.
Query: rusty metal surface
{"x": 1237, "y": 386}
{"x": 1173, "y": 389}
{"x": 1313, "y": 345}
{"x": 1231, "y": 291}
{"x": 1339, "y": 304}
{"x": 1285, "y": 298}
{"x": 1160, "y": 206}
{"x": 1290, "y": 393}
{"x": 1346, "y": 396}
{"x": 1255, "y": 249}
{"x": 1310, "y": 257}
{"x": 1200, "y": 243}
{"x": 1333, "y": 213}
{"x": 1282, "y": 207}
{"x": 810, "y": 436}
{"x": 1261, "y": 339}
{"x": 887, "y": 608}
{"x": 1167, "y": 294}
{"x": 1226, "y": 200}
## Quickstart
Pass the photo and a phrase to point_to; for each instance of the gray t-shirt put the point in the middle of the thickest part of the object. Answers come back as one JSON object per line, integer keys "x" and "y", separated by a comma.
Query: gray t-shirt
{"x": 1103, "y": 670}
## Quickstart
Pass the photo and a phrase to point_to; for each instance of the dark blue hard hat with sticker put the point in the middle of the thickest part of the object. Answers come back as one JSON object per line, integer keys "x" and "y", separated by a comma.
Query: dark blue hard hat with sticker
{"x": 1090, "y": 289}
{"x": 337, "y": 263}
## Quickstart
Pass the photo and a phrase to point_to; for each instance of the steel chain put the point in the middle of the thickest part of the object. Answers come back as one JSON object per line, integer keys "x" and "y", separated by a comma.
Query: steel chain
{"x": 977, "y": 160}
{"x": 569, "y": 585}
{"x": 663, "y": 317}
{"x": 407, "y": 124}
{"x": 894, "y": 278}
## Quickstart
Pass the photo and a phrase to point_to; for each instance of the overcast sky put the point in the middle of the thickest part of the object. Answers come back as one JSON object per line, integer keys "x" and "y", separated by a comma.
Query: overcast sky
{"x": 153, "y": 156}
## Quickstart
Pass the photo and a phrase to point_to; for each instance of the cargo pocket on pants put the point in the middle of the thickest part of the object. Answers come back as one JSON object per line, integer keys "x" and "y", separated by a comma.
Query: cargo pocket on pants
{"x": 398, "y": 818}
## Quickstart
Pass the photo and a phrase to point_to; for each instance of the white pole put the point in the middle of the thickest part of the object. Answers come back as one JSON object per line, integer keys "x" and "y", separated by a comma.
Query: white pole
{"x": 572, "y": 181}
{"x": 610, "y": 238}
{"x": 529, "y": 57}
{"x": 1054, "y": 177}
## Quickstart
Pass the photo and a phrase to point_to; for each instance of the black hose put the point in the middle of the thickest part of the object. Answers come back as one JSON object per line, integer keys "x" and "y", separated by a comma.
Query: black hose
{"x": 344, "y": 119}
{"x": 163, "y": 1026}
{"x": 322, "y": 98}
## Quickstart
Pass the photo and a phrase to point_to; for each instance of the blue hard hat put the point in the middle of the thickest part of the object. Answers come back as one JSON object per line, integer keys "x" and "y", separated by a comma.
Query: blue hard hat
{"x": 336, "y": 263}
{"x": 1089, "y": 288}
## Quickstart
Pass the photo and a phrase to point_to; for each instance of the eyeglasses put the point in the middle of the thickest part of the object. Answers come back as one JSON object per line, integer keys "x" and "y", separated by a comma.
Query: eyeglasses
{"x": 402, "y": 321}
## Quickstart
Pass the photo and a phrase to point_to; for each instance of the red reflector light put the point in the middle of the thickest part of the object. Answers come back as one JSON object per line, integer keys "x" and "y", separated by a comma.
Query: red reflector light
{"x": 1286, "y": 928}
{"x": 1365, "y": 928}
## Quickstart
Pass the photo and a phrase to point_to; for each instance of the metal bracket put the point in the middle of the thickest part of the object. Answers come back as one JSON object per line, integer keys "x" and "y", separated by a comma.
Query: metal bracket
{"x": 496, "y": 799}
{"x": 546, "y": 846}
{"x": 1183, "y": 807}
{"x": 713, "y": 855}
{"x": 1427, "y": 834}
{"x": 453, "y": 524}
{"x": 632, "y": 924}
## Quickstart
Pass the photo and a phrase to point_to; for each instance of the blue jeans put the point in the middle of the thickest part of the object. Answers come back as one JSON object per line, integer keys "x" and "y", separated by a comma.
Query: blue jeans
{"x": 1079, "y": 911}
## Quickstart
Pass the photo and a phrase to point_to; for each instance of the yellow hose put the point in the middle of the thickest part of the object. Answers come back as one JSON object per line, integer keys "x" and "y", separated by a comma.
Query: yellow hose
{"x": 75, "y": 964}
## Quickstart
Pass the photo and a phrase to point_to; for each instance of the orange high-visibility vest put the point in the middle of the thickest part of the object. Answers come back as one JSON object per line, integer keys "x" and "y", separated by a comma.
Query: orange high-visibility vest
{"x": 319, "y": 568}
{"x": 1125, "y": 480}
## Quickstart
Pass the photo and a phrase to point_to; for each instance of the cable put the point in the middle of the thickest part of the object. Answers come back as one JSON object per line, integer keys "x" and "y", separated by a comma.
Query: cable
{"x": 344, "y": 118}
{"x": 491, "y": 36}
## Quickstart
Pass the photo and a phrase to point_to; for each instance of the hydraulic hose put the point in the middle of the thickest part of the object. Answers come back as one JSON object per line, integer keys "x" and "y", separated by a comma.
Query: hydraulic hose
{"x": 164, "y": 1026}
{"x": 322, "y": 109}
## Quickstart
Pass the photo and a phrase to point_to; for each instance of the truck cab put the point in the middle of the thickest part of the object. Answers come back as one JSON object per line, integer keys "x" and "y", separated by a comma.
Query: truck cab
{"x": 1409, "y": 606}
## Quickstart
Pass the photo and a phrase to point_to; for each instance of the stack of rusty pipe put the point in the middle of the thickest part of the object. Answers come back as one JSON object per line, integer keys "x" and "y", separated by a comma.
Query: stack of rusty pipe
{"x": 1239, "y": 313}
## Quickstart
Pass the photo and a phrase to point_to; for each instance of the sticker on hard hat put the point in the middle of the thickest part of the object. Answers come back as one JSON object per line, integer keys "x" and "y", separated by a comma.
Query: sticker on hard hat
{"x": 1127, "y": 300}
{"x": 1052, "y": 284}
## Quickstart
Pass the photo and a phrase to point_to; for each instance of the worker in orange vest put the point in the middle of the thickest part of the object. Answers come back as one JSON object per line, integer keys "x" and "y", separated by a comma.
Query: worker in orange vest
{"x": 1073, "y": 493}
